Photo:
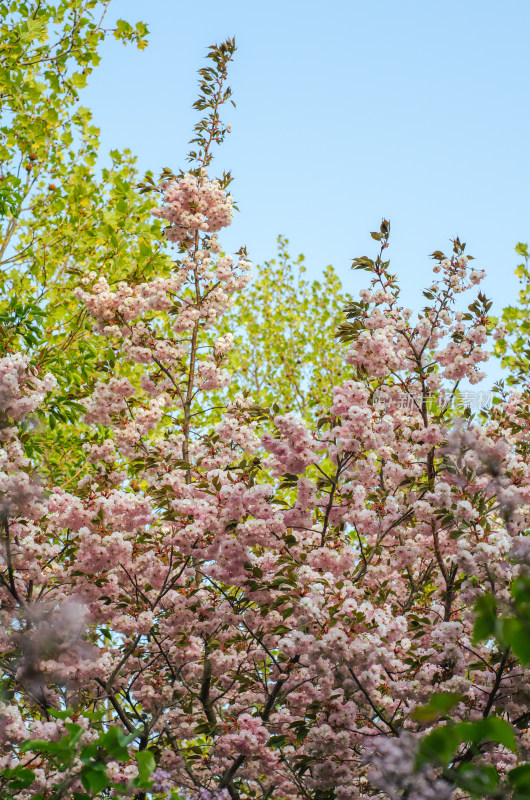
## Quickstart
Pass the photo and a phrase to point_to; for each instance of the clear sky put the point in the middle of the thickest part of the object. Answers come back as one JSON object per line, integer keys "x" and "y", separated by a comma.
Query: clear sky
{"x": 347, "y": 111}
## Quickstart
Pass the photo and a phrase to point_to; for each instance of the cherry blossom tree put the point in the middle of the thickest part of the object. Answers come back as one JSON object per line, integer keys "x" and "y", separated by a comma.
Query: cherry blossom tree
{"x": 240, "y": 604}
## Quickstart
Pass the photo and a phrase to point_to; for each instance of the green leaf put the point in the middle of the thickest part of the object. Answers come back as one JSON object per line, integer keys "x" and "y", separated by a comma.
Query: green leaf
{"x": 477, "y": 780}
{"x": 440, "y": 703}
{"x": 94, "y": 777}
{"x": 485, "y": 618}
{"x": 491, "y": 729}
{"x": 53, "y": 712}
{"x": 438, "y": 746}
{"x": 513, "y": 633}
{"x": 18, "y": 777}
{"x": 115, "y": 742}
{"x": 40, "y": 746}
{"x": 520, "y": 780}
{"x": 277, "y": 741}
{"x": 146, "y": 765}
{"x": 75, "y": 731}
{"x": 78, "y": 80}
{"x": 441, "y": 744}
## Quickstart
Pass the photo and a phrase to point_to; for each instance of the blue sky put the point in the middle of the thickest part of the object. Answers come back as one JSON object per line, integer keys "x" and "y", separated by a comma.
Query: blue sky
{"x": 416, "y": 110}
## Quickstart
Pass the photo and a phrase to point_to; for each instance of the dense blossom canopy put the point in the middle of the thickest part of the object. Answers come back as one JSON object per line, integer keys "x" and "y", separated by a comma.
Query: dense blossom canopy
{"x": 264, "y": 607}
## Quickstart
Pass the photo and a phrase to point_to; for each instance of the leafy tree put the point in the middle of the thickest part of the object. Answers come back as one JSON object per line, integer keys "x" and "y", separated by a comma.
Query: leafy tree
{"x": 284, "y": 328}
{"x": 60, "y": 220}
{"x": 513, "y": 347}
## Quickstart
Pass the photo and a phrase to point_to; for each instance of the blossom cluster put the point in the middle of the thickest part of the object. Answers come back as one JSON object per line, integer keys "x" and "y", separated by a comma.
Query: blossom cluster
{"x": 21, "y": 391}
{"x": 194, "y": 204}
